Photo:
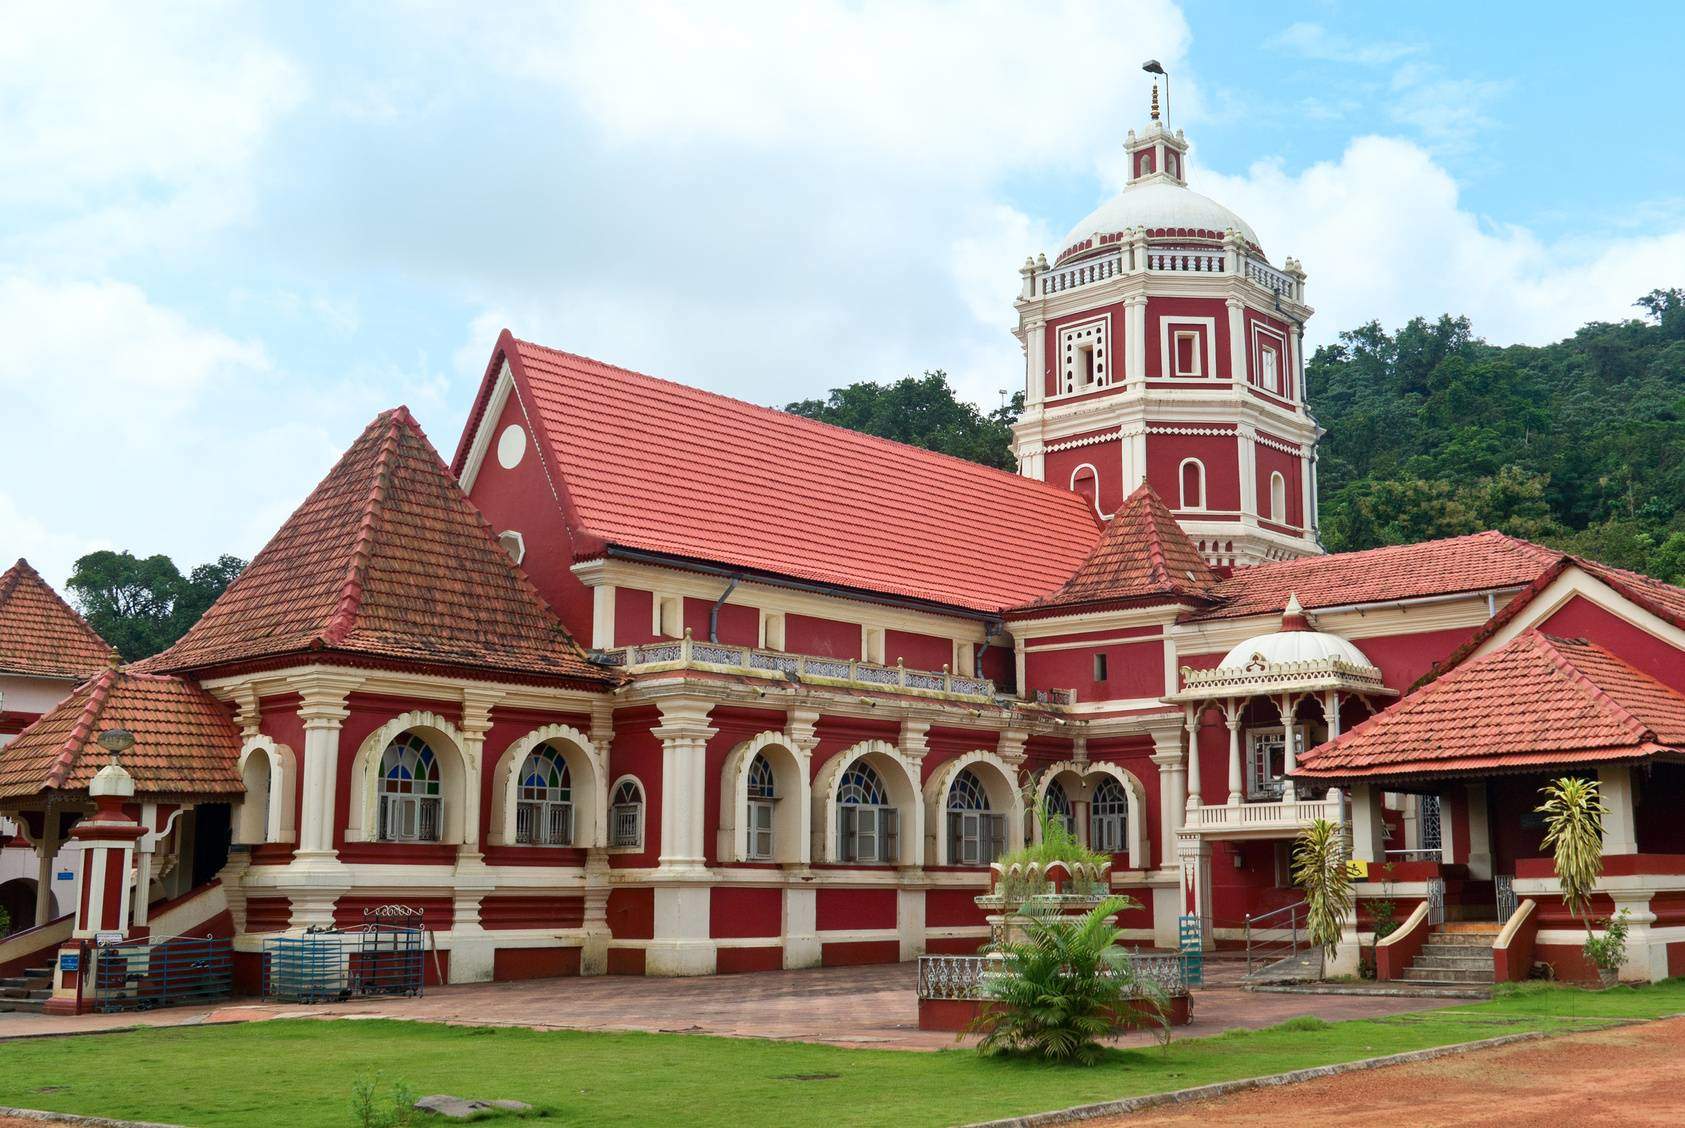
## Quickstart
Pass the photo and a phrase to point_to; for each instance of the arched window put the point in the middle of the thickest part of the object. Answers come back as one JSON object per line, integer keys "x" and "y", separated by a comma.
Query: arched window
{"x": 409, "y": 791}
{"x": 1108, "y": 818}
{"x": 868, "y": 828}
{"x": 626, "y": 815}
{"x": 762, "y": 796}
{"x": 976, "y": 836}
{"x": 1278, "y": 498}
{"x": 544, "y": 803}
{"x": 1059, "y": 806}
{"x": 1193, "y": 484}
{"x": 1085, "y": 482}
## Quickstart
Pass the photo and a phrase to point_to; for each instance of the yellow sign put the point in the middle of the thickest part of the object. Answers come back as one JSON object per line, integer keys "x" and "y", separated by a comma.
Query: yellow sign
{"x": 1357, "y": 869}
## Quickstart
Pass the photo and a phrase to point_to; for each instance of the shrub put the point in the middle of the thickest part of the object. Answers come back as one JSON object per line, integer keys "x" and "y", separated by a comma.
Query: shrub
{"x": 1320, "y": 869}
{"x": 1608, "y": 952}
{"x": 1064, "y": 987}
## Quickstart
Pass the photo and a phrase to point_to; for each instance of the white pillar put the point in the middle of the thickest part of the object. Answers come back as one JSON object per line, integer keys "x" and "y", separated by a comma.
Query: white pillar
{"x": 1237, "y": 340}
{"x": 684, "y": 733}
{"x": 47, "y": 847}
{"x": 1368, "y": 825}
{"x": 1480, "y": 834}
{"x": 1247, "y": 451}
{"x": 1290, "y": 752}
{"x": 1620, "y": 834}
{"x": 322, "y": 709}
{"x": 1192, "y": 725}
{"x": 476, "y": 722}
{"x": 1237, "y": 781}
{"x": 1135, "y": 340}
{"x": 1035, "y": 362}
{"x": 1167, "y": 757}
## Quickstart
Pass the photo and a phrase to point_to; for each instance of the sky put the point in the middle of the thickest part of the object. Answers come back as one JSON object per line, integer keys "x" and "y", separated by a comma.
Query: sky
{"x": 231, "y": 234}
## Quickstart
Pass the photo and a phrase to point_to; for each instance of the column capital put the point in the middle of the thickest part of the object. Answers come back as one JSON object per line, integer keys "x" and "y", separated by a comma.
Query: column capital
{"x": 802, "y": 726}
{"x": 477, "y": 705}
{"x": 912, "y": 742}
{"x": 1010, "y": 746}
{"x": 322, "y": 696}
{"x": 684, "y": 718}
{"x": 602, "y": 724}
{"x": 248, "y": 713}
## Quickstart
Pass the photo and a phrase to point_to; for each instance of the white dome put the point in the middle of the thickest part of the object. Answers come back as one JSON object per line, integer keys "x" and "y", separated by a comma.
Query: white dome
{"x": 1293, "y": 646}
{"x": 1158, "y": 203}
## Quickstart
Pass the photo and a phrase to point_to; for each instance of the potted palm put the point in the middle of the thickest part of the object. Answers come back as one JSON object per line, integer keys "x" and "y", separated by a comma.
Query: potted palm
{"x": 1573, "y": 811}
{"x": 1321, "y": 869}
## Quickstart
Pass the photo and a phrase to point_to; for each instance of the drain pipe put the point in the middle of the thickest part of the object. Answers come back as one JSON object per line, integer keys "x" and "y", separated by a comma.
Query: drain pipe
{"x": 714, "y": 611}
{"x": 991, "y": 627}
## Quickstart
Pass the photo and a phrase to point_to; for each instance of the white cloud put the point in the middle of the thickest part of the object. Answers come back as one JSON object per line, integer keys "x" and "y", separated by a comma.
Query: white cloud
{"x": 1313, "y": 41}
{"x": 1384, "y": 235}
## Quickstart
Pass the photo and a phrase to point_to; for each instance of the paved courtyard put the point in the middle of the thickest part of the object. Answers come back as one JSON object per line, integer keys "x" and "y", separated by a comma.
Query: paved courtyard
{"x": 847, "y": 1006}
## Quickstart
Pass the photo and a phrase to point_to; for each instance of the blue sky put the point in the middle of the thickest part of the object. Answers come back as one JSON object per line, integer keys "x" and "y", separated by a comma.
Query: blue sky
{"x": 230, "y": 234}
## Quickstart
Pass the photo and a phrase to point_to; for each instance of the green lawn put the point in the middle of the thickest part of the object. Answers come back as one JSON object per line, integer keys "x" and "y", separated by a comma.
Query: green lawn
{"x": 301, "y": 1072}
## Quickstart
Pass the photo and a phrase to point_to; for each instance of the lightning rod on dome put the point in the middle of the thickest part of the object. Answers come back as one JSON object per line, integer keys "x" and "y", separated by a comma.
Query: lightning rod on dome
{"x": 1153, "y": 66}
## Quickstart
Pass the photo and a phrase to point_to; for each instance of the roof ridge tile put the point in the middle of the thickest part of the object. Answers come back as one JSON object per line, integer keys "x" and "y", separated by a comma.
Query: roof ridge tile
{"x": 99, "y": 689}
{"x": 344, "y": 617}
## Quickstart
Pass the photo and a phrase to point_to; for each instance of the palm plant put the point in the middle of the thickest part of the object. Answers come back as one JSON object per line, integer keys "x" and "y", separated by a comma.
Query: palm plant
{"x": 1320, "y": 868}
{"x": 1574, "y": 810}
{"x": 1065, "y": 987}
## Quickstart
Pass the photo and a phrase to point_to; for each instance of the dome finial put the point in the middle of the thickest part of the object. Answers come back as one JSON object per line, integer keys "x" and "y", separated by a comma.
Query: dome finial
{"x": 1293, "y": 616}
{"x": 1155, "y": 100}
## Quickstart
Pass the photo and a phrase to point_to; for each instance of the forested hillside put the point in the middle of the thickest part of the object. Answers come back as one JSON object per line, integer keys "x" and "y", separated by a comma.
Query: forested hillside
{"x": 1579, "y": 444}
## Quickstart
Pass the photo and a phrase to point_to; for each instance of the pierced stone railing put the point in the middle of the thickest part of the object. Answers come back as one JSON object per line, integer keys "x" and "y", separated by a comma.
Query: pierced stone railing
{"x": 1284, "y": 815}
{"x": 963, "y": 977}
{"x": 688, "y": 653}
{"x": 1126, "y": 258}
{"x": 1259, "y": 677}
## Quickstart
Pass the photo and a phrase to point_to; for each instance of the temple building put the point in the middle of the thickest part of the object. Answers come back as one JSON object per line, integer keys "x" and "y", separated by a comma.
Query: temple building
{"x": 648, "y": 680}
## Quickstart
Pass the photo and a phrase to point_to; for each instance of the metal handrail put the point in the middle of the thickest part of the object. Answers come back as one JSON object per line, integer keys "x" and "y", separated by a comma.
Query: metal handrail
{"x": 1262, "y": 951}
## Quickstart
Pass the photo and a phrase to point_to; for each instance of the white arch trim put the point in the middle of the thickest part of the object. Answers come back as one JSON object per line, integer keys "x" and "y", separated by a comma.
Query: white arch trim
{"x": 269, "y": 819}
{"x": 1181, "y": 484}
{"x": 792, "y": 818}
{"x": 904, "y": 790}
{"x": 362, "y": 822}
{"x": 999, "y": 781}
{"x": 643, "y": 806}
{"x": 588, "y": 773}
{"x": 1133, "y": 790}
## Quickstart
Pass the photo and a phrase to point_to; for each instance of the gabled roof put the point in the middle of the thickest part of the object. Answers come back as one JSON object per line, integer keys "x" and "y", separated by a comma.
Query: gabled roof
{"x": 1536, "y": 701}
{"x": 41, "y": 635}
{"x": 659, "y": 467}
{"x": 387, "y": 559}
{"x": 1143, "y": 557}
{"x": 1478, "y": 562}
{"x": 186, "y": 743}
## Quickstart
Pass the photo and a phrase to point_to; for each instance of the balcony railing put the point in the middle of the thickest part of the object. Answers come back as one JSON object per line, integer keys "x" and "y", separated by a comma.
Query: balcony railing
{"x": 688, "y": 653}
{"x": 1123, "y": 259}
{"x": 962, "y": 977}
{"x": 1255, "y": 818}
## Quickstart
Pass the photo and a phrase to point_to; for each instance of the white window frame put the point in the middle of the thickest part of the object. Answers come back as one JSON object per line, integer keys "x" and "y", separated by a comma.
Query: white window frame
{"x": 873, "y": 827}
{"x": 1092, "y": 337}
{"x": 1181, "y": 484}
{"x": 758, "y": 826}
{"x": 1108, "y": 831}
{"x": 667, "y": 618}
{"x": 872, "y": 644}
{"x": 618, "y": 809}
{"x": 1176, "y": 339}
{"x": 514, "y": 544}
{"x": 1278, "y": 497}
{"x": 1168, "y": 327}
{"x": 772, "y": 630}
{"x": 1263, "y": 785}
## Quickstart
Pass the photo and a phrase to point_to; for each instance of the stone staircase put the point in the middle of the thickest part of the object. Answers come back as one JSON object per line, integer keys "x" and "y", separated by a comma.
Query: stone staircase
{"x": 1456, "y": 954}
{"x": 26, "y": 991}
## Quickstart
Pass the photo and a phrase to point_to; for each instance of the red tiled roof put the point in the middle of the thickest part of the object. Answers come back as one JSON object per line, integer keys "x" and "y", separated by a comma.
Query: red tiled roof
{"x": 1143, "y": 557}
{"x": 41, "y": 635}
{"x": 185, "y": 742}
{"x": 659, "y": 467}
{"x": 1535, "y": 701}
{"x": 1663, "y": 600}
{"x": 386, "y": 559}
{"x": 1476, "y": 562}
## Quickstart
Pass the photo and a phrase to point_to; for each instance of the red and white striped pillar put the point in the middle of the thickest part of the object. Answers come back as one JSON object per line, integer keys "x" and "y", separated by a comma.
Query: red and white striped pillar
{"x": 107, "y": 839}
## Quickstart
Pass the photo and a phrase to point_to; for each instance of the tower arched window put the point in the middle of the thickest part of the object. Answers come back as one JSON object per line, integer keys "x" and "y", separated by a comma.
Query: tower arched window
{"x": 544, "y": 800}
{"x": 976, "y": 835}
{"x": 409, "y": 791}
{"x": 1193, "y": 484}
{"x": 1108, "y": 818}
{"x": 762, "y": 795}
{"x": 1058, "y": 804}
{"x": 626, "y": 815}
{"x": 1278, "y": 498}
{"x": 868, "y": 826}
{"x": 1085, "y": 483}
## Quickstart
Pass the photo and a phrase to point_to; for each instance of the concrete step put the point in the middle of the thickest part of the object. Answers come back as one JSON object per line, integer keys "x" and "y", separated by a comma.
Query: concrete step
{"x": 26, "y": 989}
{"x": 1472, "y": 964}
{"x": 1391, "y": 989}
{"x": 23, "y": 1006}
{"x": 1457, "y": 976}
{"x": 1453, "y": 948}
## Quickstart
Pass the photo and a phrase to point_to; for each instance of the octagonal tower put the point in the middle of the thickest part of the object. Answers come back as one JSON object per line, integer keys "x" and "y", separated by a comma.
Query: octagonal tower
{"x": 1162, "y": 346}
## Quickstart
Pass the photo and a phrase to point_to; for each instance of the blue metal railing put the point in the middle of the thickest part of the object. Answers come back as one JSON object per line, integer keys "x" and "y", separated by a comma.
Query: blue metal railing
{"x": 177, "y": 972}
{"x": 323, "y": 967}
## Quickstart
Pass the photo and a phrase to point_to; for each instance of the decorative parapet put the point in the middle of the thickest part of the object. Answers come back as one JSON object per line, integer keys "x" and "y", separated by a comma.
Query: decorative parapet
{"x": 1056, "y": 884}
{"x": 1131, "y": 256}
{"x": 965, "y": 977}
{"x": 688, "y": 654}
{"x": 1258, "y": 678}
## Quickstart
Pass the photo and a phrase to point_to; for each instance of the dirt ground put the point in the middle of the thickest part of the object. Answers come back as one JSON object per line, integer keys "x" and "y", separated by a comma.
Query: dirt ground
{"x": 1627, "y": 1077}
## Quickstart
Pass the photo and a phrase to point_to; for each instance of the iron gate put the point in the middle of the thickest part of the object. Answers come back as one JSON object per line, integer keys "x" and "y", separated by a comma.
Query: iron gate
{"x": 142, "y": 975}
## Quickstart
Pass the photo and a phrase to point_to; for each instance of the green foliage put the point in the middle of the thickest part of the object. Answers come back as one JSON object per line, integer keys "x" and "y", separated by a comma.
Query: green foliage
{"x": 924, "y": 412}
{"x": 1384, "y": 914}
{"x": 1065, "y": 987}
{"x": 1609, "y": 950}
{"x": 1058, "y": 844}
{"x": 1301, "y": 1023}
{"x": 1574, "y": 811}
{"x": 140, "y": 606}
{"x": 1579, "y": 444}
{"x": 5, "y": 921}
{"x": 1320, "y": 869}
{"x": 373, "y": 1112}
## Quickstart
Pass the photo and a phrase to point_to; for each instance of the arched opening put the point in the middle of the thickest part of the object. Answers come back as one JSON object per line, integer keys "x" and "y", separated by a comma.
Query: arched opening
{"x": 409, "y": 783}
{"x": 976, "y": 834}
{"x": 251, "y": 825}
{"x": 626, "y": 814}
{"x": 762, "y": 799}
{"x": 17, "y": 902}
{"x": 764, "y": 803}
{"x": 1085, "y": 482}
{"x": 409, "y": 791}
{"x": 867, "y": 808}
{"x": 544, "y": 800}
{"x": 869, "y": 824}
{"x": 1108, "y": 818}
{"x": 1057, "y": 803}
{"x": 1193, "y": 484}
{"x": 548, "y": 790}
{"x": 974, "y": 812}
{"x": 1103, "y": 804}
{"x": 1278, "y": 498}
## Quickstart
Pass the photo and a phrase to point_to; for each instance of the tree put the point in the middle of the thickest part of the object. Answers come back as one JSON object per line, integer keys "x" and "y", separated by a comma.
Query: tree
{"x": 924, "y": 412}
{"x": 1573, "y": 811}
{"x": 140, "y": 606}
{"x": 1064, "y": 987}
{"x": 1320, "y": 869}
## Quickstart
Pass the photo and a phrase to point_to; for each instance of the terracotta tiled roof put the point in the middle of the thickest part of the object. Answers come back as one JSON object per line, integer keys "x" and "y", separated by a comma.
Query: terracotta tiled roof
{"x": 1662, "y": 599}
{"x": 1535, "y": 701}
{"x": 655, "y": 466}
{"x": 41, "y": 635}
{"x": 386, "y": 559}
{"x": 1143, "y": 557}
{"x": 185, "y": 742}
{"x": 1379, "y": 575}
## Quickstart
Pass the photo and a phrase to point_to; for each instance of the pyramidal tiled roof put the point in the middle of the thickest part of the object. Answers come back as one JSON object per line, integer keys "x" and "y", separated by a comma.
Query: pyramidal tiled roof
{"x": 41, "y": 635}
{"x": 655, "y": 466}
{"x": 386, "y": 559}
{"x": 1536, "y": 701}
{"x": 185, "y": 742}
{"x": 1143, "y": 556}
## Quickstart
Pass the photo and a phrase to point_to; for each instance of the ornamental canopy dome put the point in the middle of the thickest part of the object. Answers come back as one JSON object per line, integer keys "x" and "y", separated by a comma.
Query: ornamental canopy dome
{"x": 1159, "y": 204}
{"x": 1294, "y": 642}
